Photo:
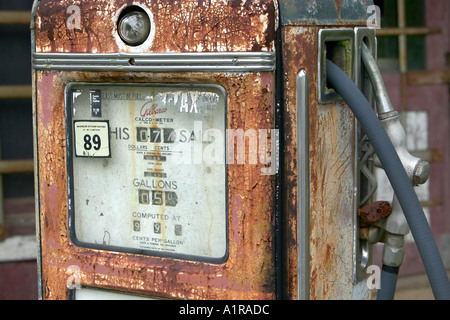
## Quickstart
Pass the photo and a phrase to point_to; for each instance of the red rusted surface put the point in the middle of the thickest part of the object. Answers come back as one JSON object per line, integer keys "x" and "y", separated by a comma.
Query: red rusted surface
{"x": 182, "y": 26}
{"x": 178, "y": 26}
{"x": 299, "y": 52}
{"x": 331, "y": 131}
{"x": 249, "y": 270}
{"x": 374, "y": 212}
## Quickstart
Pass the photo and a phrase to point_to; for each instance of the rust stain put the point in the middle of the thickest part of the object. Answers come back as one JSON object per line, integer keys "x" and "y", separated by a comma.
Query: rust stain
{"x": 251, "y": 220}
{"x": 338, "y": 8}
{"x": 181, "y": 26}
{"x": 374, "y": 212}
{"x": 331, "y": 134}
{"x": 299, "y": 52}
{"x": 332, "y": 201}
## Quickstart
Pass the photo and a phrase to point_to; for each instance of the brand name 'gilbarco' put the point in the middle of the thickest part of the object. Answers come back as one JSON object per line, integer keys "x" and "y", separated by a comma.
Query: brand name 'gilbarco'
{"x": 150, "y": 110}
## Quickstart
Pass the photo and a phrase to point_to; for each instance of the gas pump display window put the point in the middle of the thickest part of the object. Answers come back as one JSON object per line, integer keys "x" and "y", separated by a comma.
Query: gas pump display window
{"x": 147, "y": 170}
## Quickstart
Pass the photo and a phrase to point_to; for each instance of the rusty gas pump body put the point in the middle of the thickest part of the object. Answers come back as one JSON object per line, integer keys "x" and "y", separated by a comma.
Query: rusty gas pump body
{"x": 115, "y": 214}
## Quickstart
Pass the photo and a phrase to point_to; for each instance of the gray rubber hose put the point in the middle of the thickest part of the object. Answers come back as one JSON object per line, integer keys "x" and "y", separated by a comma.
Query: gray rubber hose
{"x": 388, "y": 281}
{"x": 398, "y": 178}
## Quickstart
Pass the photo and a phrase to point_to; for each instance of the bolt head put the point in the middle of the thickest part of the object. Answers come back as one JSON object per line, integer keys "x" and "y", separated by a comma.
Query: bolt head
{"x": 421, "y": 172}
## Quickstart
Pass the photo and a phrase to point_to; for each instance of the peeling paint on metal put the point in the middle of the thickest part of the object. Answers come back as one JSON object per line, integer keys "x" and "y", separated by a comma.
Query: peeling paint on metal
{"x": 323, "y": 12}
{"x": 251, "y": 217}
{"x": 374, "y": 212}
{"x": 331, "y": 131}
{"x": 299, "y": 52}
{"x": 180, "y": 26}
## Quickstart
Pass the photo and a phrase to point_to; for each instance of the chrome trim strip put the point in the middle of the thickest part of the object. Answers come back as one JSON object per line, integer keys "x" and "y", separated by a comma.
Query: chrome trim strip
{"x": 211, "y": 61}
{"x": 303, "y": 187}
{"x": 367, "y": 36}
{"x": 363, "y": 255}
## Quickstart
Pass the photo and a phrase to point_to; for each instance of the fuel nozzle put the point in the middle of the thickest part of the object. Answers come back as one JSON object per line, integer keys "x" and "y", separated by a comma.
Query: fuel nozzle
{"x": 417, "y": 170}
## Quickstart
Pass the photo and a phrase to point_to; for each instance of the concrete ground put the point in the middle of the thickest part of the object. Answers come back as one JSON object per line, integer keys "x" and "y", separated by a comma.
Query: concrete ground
{"x": 414, "y": 287}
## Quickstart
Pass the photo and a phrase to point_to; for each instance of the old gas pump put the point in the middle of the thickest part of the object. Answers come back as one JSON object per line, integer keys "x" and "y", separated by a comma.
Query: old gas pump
{"x": 144, "y": 116}
{"x": 194, "y": 150}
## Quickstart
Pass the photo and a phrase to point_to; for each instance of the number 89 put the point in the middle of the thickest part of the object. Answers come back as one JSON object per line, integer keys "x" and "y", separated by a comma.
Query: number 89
{"x": 89, "y": 141}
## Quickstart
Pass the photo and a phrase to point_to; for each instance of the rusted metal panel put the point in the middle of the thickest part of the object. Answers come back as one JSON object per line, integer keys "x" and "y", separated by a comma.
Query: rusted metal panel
{"x": 374, "y": 212}
{"x": 332, "y": 202}
{"x": 251, "y": 214}
{"x": 182, "y": 26}
{"x": 323, "y": 12}
{"x": 177, "y": 26}
{"x": 299, "y": 52}
{"x": 332, "y": 181}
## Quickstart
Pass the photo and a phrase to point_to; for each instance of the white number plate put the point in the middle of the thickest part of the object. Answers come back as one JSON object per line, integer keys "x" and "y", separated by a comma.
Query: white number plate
{"x": 91, "y": 139}
{"x": 147, "y": 170}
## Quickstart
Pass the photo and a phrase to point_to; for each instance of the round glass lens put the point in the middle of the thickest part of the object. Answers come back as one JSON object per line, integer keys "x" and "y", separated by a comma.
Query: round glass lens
{"x": 134, "y": 28}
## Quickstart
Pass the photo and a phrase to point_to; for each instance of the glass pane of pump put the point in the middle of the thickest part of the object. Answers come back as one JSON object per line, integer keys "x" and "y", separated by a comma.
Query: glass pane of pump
{"x": 147, "y": 169}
